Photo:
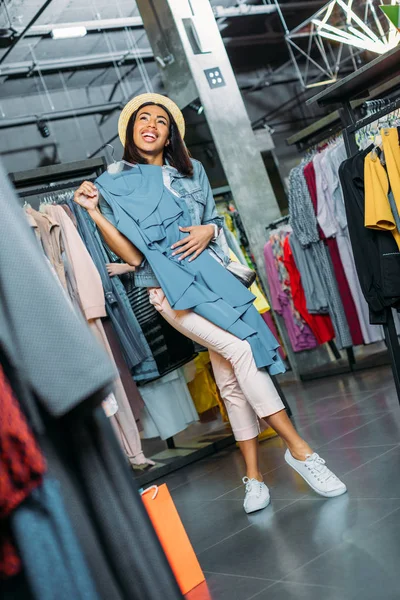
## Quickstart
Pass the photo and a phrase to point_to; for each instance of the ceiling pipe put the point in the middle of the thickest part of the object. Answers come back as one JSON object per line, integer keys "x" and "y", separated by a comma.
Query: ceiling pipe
{"x": 96, "y": 25}
{"x": 61, "y": 115}
{"x": 25, "y": 31}
{"x": 124, "y": 22}
{"x": 27, "y": 67}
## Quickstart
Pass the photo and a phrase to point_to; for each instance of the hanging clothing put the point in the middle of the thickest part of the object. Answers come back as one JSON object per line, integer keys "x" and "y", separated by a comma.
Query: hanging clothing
{"x": 332, "y": 157}
{"x": 300, "y": 335}
{"x": 89, "y": 287}
{"x": 376, "y": 253}
{"x": 320, "y": 325}
{"x": 136, "y": 350}
{"x": 345, "y": 293}
{"x": 169, "y": 407}
{"x": 305, "y": 227}
{"x": 328, "y": 228}
{"x": 123, "y": 420}
{"x": 22, "y": 467}
{"x": 378, "y": 212}
{"x": 53, "y": 561}
{"x": 49, "y": 233}
{"x": 134, "y": 398}
{"x": 152, "y": 223}
{"x": 169, "y": 348}
{"x": 315, "y": 293}
{"x": 391, "y": 150}
{"x": 260, "y": 302}
{"x": 202, "y": 387}
{"x": 60, "y": 376}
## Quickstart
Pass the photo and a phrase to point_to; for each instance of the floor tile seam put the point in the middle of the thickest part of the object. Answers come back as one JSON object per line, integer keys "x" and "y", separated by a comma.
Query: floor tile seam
{"x": 268, "y": 579}
{"x": 370, "y": 460}
{"x": 368, "y": 446}
{"x": 336, "y": 412}
{"x": 194, "y": 479}
{"x": 244, "y": 529}
{"x": 269, "y": 587}
{"x": 341, "y": 394}
{"x": 224, "y": 539}
{"x": 335, "y": 546}
{"x": 324, "y": 587}
{"x": 371, "y": 395}
{"x": 351, "y": 431}
{"x": 392, "y": 512}
{"x": 364, "y": 414}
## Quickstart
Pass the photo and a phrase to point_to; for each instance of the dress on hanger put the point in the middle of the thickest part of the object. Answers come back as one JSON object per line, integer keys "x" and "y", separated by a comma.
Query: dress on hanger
{"x": 149, "y": 215}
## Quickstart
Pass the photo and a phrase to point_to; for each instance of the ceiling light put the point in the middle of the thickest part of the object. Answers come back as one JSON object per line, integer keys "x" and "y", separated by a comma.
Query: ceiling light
{"x": 64, "y": 33}
{"x": 197, "y": 107}
{"x": 320, "y": 83}
{"x": 361, "y": 36}
{"x": 43, "y": 128}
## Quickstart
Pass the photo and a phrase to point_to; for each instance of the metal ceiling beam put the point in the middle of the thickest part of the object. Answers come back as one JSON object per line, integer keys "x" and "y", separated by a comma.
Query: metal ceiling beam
{"x": 244, "y": 10}
{"x": 25, "y": 31}
{"x": 61, "y": 114}
{"x": 95, "y": 25}
{"x": 54, "y": 65}
{"x": 247, "y": 10}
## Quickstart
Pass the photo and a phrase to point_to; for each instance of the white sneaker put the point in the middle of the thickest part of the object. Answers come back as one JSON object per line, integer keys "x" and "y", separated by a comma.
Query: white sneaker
{"x": 257, "y": 495}
{"x": 315, "y": 472}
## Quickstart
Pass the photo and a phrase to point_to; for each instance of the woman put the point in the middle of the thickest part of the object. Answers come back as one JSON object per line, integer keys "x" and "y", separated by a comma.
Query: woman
{"x": 158, "y": 214}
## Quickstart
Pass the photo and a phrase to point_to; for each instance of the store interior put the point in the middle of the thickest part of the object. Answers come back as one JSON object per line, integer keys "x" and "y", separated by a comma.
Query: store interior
{"x": 293, "y": 109}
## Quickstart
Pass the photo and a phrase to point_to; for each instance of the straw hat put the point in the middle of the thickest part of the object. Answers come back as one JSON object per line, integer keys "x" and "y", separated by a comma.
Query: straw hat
{"x": 137, "y": 102}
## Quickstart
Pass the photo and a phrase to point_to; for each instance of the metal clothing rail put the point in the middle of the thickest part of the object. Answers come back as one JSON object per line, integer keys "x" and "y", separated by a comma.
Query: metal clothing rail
{"x": 342, "y": 93}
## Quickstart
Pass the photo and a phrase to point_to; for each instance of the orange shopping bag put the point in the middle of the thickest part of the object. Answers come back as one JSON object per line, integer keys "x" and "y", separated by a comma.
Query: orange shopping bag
{"x": 173, "y": 537}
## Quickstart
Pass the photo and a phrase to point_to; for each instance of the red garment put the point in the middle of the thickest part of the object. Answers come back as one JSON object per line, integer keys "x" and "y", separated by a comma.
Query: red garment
{"x": 343, "y": 285}
{"x": 309, "y": 174}
{"x": 320, "y": 325}
{"x": 21, "y": 468}
{"x": 345, "y": 293}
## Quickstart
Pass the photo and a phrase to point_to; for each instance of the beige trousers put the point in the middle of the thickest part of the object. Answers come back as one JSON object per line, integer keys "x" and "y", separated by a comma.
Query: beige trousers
{"x": 249, "y": 393}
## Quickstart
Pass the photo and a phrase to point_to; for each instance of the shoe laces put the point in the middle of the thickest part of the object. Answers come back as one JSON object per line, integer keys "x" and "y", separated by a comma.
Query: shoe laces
{"x": 318, "y": 467}
{"x": 253, "y": 486}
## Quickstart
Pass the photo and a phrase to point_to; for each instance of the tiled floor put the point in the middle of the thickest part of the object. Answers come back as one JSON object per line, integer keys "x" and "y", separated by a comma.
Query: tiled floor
{"x": 303, "y": 546}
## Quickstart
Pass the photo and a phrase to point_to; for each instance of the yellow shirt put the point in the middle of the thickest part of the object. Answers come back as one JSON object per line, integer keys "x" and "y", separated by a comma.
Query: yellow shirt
{"x": 378, "y": 212}
{"x": 260, "y": 302}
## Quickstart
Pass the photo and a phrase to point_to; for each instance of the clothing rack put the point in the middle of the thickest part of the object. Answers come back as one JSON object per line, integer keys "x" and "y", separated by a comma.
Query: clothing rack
{"x": 317, "y": 374}
{"x": 341, "y": 93}
{"x": 277, "y": 222}
{"x": 59, "y": 172}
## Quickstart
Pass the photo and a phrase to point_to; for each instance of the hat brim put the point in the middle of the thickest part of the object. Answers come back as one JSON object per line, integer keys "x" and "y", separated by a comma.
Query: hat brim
{"x": 138, "y": 101}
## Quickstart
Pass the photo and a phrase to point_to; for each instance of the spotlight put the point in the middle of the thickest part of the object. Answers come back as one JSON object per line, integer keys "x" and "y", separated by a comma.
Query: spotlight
{"x": 43, "y": 128}
{"x": 197, "y": 107}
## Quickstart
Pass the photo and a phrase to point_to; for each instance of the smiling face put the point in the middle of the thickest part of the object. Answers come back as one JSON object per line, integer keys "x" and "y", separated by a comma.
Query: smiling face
{"x": 151, "y": 130}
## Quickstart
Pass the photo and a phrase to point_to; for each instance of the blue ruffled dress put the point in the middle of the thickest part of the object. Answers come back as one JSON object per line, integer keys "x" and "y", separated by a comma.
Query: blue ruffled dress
{"x": 149, "y": 215}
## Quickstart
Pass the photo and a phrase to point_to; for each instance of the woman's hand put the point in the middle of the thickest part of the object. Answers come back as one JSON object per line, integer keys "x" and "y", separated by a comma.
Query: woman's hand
{"x": 114, "y": 269}
{"x": 87, "y": 196}
{"x": 195, "y": 243}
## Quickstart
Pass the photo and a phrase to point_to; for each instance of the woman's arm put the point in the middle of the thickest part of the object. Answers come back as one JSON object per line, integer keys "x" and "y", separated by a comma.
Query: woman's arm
{"x": 87, "y": 196}
{"x": 116, "y": 241}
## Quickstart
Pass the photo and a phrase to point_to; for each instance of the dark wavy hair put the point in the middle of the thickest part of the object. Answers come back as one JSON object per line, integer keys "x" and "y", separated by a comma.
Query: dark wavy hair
{"x": 175, "y": 153}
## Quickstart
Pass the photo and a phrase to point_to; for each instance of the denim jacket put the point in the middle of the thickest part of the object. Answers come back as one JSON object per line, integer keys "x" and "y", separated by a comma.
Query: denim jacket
{"x": 196, "y": 191}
